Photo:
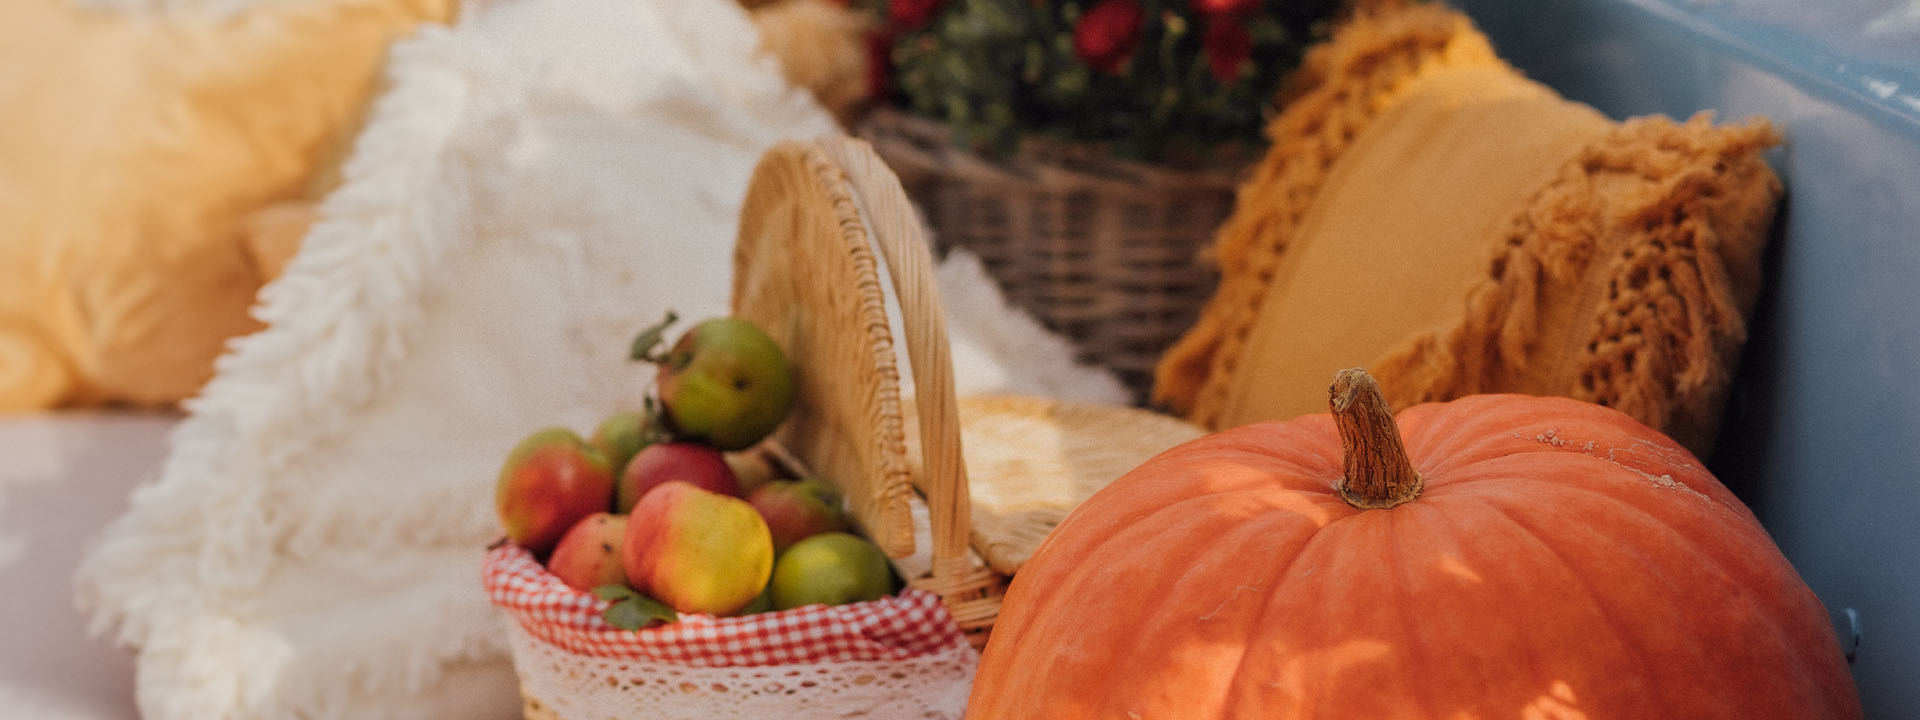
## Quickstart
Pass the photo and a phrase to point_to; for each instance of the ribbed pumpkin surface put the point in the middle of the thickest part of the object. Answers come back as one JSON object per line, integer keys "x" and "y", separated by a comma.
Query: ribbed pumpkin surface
{"x": 1562, "y": 561}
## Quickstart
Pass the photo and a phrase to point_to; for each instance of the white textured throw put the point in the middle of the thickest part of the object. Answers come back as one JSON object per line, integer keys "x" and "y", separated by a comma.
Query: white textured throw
{"x": 536, "y": 185}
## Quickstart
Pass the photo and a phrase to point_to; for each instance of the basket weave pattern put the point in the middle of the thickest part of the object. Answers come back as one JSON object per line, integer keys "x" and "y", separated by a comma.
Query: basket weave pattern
{"x": 1105, "y": 252}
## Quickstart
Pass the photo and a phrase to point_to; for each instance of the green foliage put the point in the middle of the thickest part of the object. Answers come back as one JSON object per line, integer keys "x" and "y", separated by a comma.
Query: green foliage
{"x": 650, "y": 338}
{"x": 631, "y": 610}
{"x": 998, "y": 71}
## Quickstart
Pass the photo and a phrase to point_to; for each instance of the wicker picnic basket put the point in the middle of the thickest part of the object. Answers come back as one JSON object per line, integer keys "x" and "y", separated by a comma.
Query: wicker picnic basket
{"x": 1104, "y": 251}
{"x": 825, "y": 232}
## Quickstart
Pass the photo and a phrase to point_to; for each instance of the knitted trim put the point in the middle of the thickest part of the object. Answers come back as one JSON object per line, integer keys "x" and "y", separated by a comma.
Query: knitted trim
{"x": 1654, "y": 233}
{"x": 1625, "y": 281}
{"x": 1340, "y": 88}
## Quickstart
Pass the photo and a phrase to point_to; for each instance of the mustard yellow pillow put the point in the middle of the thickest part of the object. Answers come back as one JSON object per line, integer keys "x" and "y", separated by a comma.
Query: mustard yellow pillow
{"x": 1428, "y": 213}
{"x": 135, "y": 147}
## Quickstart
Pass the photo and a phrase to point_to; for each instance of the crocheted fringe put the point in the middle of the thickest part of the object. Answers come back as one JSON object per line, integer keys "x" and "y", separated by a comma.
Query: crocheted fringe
{"x": 1660, "y": 225}
{"x": 1341, "y": 87}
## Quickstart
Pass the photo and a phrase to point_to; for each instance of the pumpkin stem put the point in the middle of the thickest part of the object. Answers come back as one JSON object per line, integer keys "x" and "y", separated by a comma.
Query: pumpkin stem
{"x": 1377, "y": 472}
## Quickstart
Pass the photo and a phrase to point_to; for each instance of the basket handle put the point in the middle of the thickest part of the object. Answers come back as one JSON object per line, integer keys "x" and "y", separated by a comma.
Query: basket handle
{"x": 943, "y": 479}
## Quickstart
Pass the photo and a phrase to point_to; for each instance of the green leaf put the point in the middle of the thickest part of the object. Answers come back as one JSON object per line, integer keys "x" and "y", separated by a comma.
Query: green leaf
{"x": 638, "y": 612}
{"x": 649, "y": 338}
{"x": 614, "y": 592}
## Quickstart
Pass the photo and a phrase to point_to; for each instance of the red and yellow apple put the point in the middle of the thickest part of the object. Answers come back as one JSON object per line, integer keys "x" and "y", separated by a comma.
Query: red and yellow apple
{"x": 588, "y": 556}
{"x": 661, "y": 463}
{"x": 795, "y": 509}
{"x": 697, "y": 551}
{"x": 550, "y": 480}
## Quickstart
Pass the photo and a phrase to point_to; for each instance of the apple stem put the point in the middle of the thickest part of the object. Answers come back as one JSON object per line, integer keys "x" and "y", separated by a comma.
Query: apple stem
{"x": 1377, "y": 472}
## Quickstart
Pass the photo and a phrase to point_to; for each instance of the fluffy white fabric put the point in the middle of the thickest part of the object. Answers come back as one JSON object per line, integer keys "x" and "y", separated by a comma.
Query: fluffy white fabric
{"x": 536, "y": 185}
{"x": 998, "y": 348}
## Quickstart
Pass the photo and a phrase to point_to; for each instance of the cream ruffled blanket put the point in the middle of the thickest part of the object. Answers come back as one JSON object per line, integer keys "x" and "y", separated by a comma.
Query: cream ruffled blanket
{"x": 535, "y": 185}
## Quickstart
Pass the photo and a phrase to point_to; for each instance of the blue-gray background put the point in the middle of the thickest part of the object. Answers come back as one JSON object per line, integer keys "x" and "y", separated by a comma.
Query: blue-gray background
{"x": 1823, "y": 437}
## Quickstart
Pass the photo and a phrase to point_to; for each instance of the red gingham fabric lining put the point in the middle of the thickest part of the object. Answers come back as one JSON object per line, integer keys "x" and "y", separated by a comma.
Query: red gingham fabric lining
{"x": 897, "y": 627}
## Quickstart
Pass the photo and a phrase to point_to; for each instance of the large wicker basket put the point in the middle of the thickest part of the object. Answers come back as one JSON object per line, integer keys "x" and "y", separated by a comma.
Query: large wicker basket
{"x": 823, "y": 226}
{"x": 825, "y": 232}
{"x": 1106, "y": 252}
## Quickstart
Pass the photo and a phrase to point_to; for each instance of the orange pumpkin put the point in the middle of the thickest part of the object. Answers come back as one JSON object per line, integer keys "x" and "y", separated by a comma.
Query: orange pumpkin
{"x": 1517, "y": 557}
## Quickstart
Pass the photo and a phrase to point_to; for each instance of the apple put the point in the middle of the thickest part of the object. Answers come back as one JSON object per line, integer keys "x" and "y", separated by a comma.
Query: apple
{"x": 660, "y": 463}
{"x": 760, "y": 603}
{"x": 550, "y": 480}
{"x": 830, "y": 569}
{"x": 697, "y": 551}
{"x": 795, "y": 509}
{"x": 588, "y": 556}
{"x": 724, "y": 383}
{"x": 622, "y": 434}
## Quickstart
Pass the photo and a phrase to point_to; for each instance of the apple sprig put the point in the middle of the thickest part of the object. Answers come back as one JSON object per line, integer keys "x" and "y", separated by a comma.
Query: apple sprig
{"x": 671, "y": 509}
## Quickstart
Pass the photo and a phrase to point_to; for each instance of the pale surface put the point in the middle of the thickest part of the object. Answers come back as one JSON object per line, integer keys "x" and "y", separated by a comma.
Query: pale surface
{"x": 62, "y": 478}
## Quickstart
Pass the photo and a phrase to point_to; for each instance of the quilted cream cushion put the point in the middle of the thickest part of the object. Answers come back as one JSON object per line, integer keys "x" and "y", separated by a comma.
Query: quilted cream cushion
{"x": 137, "y": 147}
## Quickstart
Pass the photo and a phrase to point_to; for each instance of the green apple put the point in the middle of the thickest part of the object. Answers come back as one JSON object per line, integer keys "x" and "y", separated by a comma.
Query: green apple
{"x": 622, "y": 434}
{"x": 724, "y": 383}
{"x": 832, "y": 568}
{"x": 661, "y": 463}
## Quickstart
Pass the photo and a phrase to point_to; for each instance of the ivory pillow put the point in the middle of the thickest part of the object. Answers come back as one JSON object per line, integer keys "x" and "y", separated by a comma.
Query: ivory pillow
{"x": 137, "y": 145}
{"x": 1428, "y": 213}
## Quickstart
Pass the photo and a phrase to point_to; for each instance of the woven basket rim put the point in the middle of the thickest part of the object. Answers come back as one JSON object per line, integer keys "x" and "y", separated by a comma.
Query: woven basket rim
{"x": 1054, "y": 164}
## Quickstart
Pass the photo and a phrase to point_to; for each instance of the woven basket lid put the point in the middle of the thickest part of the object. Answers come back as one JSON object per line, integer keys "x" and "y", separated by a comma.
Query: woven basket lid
{"x": 805, "y": 273}
{"x": 1031, "y": 460}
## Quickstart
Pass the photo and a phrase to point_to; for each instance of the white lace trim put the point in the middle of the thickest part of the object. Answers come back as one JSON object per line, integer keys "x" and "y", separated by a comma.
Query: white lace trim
{"x": 569, "y": 686}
